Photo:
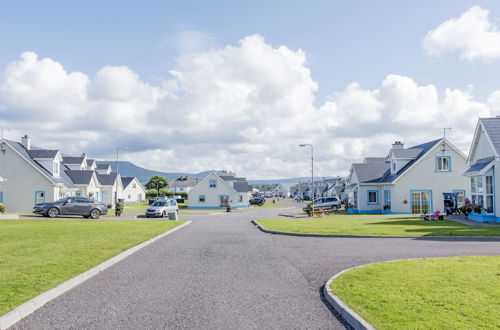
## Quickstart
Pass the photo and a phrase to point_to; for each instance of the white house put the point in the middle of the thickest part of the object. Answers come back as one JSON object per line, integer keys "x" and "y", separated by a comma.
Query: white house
{"x": 133, "y": 190}
{"x": 182, "y": 184}
{"x": 111, "y": 188}
{"x": 1, "y": 191}
{"x": 483, "y": 161}
{"x": 216, "y": 191}
{"x": 411, "y": 180}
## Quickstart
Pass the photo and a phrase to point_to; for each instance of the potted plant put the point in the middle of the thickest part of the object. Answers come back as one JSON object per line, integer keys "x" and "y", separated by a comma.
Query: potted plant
{"x": 119, "y": 209}
{"x": 2, "y": 208}
{"x": 309, "y": 210}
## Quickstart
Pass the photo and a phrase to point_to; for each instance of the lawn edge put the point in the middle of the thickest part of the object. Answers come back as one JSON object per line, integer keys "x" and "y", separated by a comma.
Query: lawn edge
{"x": 451, "y": 238}
{"x": 349, "y": 315}
{"x": 20, "y": 312}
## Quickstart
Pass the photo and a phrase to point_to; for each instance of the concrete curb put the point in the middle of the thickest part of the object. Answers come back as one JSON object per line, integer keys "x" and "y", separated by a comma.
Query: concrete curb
{"x": 350, "y": 316}
{"x": 448, "y": 238}
{"x": 32, "y": 305}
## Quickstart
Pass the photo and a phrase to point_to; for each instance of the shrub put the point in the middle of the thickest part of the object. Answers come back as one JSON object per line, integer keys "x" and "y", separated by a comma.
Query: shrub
{"x": 2, "y": 208}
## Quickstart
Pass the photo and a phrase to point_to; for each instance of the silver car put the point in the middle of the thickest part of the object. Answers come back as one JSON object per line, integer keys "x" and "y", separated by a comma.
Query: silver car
{"x": 161, "y": 208}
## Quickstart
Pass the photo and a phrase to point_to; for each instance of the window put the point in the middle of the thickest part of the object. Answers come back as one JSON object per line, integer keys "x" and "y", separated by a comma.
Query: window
{"x": 55, "y": 168}
{"x": 1, "y": 196}
{"x": 372, "y": 197}
{"x": 443, "y": 163}
{"x": 181, "y": 189}
{"x": 421, "y": 202}
{"x": 482, "y": 192}
{"x": 241, "y": 198}
{"x": 355, "y": 198}
{"x": 393, "y": 166}
{"x": 129, "y": 196}
{"x": 39, "y": 197}
{"x": 78, "y": 193}
{"x": 212, "y": 183}
{"x": 201, "y": 199}
{"x": 134, "y": 186}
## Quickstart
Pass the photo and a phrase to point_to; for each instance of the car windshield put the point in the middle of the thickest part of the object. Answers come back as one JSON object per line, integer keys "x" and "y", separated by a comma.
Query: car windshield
{"x": 160, "y": 203}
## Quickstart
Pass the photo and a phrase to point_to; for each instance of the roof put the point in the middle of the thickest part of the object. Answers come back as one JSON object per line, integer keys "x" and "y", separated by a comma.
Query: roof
{"x": 184, "y": 182}
{"x": 351, "y": 187}
{"x": 73, "y": 160}
{"x": 41, "y": 153}
{"x": 370, "y": 171}
{"x": 126, "y": 180}
{"x": 227, "y": 177}
{"x": 479, "y": 165}
{"x": 241, "y": 186}
{"x": 409, "y": 153}
{"x": 107, "y": 179}
{"x": 18, "y": 147}
{"x": 80, "y": 176}
{"x": 375, "y": 159}
{"x": 492, "y": 128}
{"x": 103, "y": 166}
{"x": 422, "y": 150}
{"x": 90, "y": 162}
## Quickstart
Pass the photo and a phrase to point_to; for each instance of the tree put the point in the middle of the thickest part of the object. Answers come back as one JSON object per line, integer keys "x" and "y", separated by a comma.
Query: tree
{"x": 157, "y": 182}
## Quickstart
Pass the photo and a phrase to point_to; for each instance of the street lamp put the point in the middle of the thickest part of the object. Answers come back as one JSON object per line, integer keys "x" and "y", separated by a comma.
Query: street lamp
{"x": 312, "y": 172}
{"x": 117, "y": 152}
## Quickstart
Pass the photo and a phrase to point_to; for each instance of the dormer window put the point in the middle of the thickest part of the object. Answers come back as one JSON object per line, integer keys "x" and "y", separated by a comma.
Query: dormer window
{"x": 393, "y": 163}
{"x": 55, "y": 168}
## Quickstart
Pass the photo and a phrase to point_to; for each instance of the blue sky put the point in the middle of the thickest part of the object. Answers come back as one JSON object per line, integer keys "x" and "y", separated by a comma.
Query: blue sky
{"x": 343, "y": 41}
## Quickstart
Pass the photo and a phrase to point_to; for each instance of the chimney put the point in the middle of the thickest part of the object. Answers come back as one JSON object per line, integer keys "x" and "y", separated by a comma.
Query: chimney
{"x": 26, "y": 142}
{"x": 398, "y": 145}
{"x": 84, "y": 155}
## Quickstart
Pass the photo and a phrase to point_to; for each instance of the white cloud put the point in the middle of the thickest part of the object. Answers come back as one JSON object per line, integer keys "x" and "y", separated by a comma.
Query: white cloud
{"x": 242, "y": 107}
{"x": 472, "y": 34}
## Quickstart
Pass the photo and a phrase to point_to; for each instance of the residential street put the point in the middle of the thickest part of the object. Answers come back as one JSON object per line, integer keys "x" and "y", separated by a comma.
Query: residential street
{"x": 221, "y": 272}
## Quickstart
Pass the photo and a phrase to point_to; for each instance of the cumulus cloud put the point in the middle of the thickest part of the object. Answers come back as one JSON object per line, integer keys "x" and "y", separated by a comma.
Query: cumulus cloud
{"x": 243, "y": 107}
{"x": 472, "y": 34}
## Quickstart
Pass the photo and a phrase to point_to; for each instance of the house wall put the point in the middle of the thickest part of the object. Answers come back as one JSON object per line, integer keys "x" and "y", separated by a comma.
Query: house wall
{"x": 483, "y": 148}
{"x": 425, "y": 177}
{"x": 180, "y": 189}
{"x": 137, "y": 194}
{"x": 23, "y": 181}
{"x": 363, "y": 205}
{"x": 212, "y": 194}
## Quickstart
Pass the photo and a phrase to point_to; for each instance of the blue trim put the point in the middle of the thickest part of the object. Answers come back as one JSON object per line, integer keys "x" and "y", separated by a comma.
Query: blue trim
{"x": 368, "y": 197}
{"x": 44, "y": 195}
{"x": 430, "y": 202}
{"x": 356, "y": 211}
{"x": 449, "y": 164}
{"x": 483, "y": 217}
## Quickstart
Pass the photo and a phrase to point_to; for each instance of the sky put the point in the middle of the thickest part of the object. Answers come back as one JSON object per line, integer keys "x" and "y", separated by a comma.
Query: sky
{"x": 190, "y": 86}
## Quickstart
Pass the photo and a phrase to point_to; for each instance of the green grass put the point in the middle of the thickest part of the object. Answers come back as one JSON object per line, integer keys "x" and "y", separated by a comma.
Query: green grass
{"x": 442, "y": 293}
{"x": 269, "y": 205}
{"x": 136, "y": 205}
{"x": 37, "y": 255}
{"x": 377, "y": 226}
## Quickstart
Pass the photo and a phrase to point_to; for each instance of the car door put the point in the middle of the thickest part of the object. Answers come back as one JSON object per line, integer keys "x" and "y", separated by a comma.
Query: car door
{"x": 69, "y": 206}
{"x": 83, "y": 206}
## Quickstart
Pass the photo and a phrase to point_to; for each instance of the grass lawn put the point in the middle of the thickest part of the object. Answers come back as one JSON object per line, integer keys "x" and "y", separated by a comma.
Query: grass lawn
{"x": 441, "y": 293}
{"x": 37, "y": 255}
{"x": 136, "y": 205}
{"x": 377, "y": 226}
{"x": 269, "y": 205}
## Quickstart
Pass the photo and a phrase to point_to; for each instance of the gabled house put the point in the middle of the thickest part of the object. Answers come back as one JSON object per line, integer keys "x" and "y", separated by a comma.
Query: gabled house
{"x": 111, "y": 188}
{"x": 216, "y": 191}
{"x": 482, "y": 164}
{"x": 182, "y": 184}
{"x": 411, "y": 180}
{"x": 133, "y": 190}
{"x": 91, "y": 165}
{"x": 75, "y": 163}
{"x": 103, "y": 168}
{"x": 85, "y": 182}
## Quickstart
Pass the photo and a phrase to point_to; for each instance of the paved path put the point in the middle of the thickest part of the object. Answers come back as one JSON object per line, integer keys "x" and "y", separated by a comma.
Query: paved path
{"x": 223, "y": 273}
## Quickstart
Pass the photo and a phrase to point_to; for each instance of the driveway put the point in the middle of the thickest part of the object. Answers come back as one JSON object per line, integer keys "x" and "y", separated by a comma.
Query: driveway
{"x": 221, "y": 272}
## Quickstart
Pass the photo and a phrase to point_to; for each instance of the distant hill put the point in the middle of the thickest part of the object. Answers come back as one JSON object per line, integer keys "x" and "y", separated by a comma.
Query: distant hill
{"x": 143, "y": 174}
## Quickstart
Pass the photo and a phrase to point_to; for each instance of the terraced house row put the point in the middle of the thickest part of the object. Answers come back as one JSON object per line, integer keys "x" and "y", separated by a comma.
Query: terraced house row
{"x": 33, "y": 175}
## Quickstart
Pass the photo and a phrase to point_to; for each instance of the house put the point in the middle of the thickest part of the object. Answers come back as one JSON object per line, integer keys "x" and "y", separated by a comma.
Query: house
{"x": 482, "y": 164}
{"x": 1, "y": 191}
{"x": 216, "y": 191}
{"x": 410, "y": 180}
{"x": 103, "y": 168}
{"x": 133, "y": 190}
{"x": 38, "y": 175}
{"x": 182, "y": 184}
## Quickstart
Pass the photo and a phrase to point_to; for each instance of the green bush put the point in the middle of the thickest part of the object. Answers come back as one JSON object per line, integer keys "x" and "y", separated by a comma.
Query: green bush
{"x": 2, "y": 208}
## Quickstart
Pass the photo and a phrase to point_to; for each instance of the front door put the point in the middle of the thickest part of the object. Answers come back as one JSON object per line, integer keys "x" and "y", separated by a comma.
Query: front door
{"x": 224, "y": 201}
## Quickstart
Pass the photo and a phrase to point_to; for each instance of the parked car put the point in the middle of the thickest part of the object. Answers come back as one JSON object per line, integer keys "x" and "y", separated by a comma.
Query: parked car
{"x": 326, "y": 203}
{"x": 257, "y": 201}
{"x": 86, "y": 207}
{"x": 161, "y": 208}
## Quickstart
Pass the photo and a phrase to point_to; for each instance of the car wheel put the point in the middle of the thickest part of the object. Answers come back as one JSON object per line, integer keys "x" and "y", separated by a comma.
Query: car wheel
{"x": 95, "y": 214}
{"x": 53, "y": 212}
{"x": 334, "y": 208}
{"x": 86, "y": 216}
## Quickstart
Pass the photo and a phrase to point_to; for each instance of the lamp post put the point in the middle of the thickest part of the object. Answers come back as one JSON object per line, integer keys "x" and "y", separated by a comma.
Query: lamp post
{"x": 312, "y": 172}
{"x": 117, "y": 152}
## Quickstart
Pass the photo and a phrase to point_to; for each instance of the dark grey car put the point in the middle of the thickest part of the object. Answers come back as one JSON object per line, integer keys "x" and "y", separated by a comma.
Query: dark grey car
{"x": 86, "y": 207}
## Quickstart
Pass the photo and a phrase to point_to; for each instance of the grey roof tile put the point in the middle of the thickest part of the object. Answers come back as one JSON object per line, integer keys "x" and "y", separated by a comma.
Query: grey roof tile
{"x": 409, "y": 153}
{"x": 80, "y": 176}
{"x": 126, "y": 180}
{"x": 103, "y": 166}
{"x": 73, "y": 160}
{"x": 107, "y": 179}
{"x": 42, "y": 154}
{"x": 479, "y": 165}
{"x": 492, "y": 127}
{"x": 241, "y": 186}
{"x": 370, "y": 171}
{"x": 183, "y": 182}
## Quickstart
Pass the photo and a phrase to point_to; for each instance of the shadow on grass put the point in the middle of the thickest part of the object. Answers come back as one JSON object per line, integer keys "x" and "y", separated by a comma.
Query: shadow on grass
{"x": 439, "y": 227}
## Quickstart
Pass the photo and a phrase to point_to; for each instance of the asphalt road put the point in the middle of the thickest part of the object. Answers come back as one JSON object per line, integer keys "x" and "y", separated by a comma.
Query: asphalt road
{"x": 221, "y": 272}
